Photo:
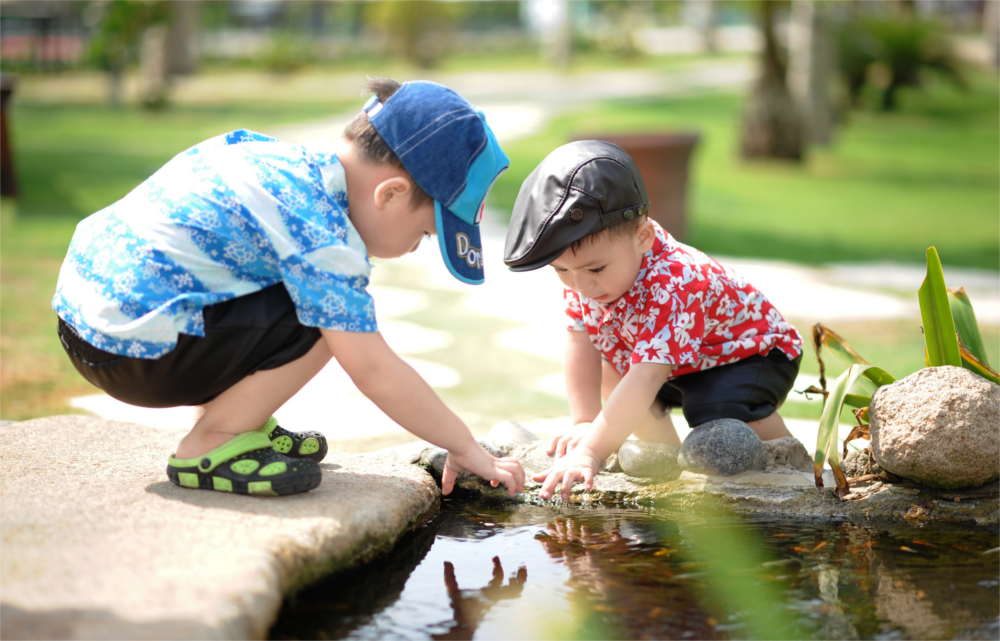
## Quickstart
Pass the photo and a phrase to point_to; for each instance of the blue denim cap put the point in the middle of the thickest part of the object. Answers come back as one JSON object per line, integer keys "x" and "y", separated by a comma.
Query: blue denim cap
{"x": 449, "y": 150}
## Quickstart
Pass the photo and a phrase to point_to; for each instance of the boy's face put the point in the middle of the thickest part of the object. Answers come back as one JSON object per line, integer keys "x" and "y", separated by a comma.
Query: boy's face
{"x": 604, "y": 270}
{"x": 402, "y": 233}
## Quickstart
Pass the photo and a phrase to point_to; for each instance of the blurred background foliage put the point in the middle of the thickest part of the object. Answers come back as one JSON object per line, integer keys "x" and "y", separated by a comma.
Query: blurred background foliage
{"x": 895, "y": 104}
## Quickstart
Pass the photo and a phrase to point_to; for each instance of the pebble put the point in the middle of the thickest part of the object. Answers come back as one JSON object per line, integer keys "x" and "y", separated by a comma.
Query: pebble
{"x": 646, "y": 459}
{"x": 723, "y": 447}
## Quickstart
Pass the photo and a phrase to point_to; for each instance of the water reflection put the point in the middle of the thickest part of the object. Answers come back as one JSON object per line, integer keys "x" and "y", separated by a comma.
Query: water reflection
{"x": 602, "y": 572}
{"x": 470, "y": 606}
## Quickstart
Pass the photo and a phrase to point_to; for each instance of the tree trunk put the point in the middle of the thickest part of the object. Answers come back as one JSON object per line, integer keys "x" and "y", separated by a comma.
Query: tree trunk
{"x": 772, "y": 126}
{"x": 181, "y": 35}
{"x": 991, "y": 29}
{"x": 812, "y": 68}
{"x": 703, "y": 16}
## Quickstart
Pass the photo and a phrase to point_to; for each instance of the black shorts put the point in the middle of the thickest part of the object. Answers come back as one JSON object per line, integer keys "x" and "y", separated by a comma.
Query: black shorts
{"x": 748, "y": 390}
{"x": 254, "y": 332}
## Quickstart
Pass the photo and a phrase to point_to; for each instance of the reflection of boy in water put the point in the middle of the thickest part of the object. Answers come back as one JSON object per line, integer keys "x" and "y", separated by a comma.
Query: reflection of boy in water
{"x": 635, "y": 596}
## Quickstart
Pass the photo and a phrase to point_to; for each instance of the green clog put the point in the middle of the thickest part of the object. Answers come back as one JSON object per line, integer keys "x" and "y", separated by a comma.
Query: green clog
{"x": 310, "y": 445}
{"x": 248, "y": 464}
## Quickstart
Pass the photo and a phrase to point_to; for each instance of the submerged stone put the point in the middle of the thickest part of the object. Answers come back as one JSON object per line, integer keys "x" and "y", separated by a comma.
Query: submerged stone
{"x": 723, "y": 447}
{"x": 646, "y": 459}
{"x": 939, "y": 427}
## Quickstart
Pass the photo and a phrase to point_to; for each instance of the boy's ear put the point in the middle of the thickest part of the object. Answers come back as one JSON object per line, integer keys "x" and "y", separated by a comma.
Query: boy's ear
{"x": 645, "y": 235}
{"x": 392, "y": 191}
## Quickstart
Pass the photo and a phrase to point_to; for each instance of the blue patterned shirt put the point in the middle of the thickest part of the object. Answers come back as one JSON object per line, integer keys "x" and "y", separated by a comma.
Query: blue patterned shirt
{"x": 226, "y": 218}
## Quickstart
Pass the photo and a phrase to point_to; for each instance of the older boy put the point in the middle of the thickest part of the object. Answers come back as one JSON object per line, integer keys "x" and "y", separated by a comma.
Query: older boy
{"x": 231, "y": 277}
{"x": 674, "y": 327}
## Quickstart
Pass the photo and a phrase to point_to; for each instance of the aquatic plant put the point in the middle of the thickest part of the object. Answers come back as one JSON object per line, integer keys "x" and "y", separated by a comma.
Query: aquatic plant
{"x": 951, "y": 337}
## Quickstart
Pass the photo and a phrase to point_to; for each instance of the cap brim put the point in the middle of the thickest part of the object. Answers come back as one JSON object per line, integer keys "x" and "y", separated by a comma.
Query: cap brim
{"x": 461, "y": 246}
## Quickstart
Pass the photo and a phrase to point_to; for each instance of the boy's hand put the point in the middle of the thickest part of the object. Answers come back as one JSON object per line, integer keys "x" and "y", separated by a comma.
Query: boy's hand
{"x": 561, "y": 444}
{"x": 578, "y": 466}
{"x": 481, "y": 463}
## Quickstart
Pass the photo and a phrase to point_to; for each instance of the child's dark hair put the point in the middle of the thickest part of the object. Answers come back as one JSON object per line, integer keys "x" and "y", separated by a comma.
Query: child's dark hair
{"x": 621, "y": 230}
{"x": 370, "y": 145}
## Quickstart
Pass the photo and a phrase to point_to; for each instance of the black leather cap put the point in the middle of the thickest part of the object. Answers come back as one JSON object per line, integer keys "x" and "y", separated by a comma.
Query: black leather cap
{"x": 579, "y": 189}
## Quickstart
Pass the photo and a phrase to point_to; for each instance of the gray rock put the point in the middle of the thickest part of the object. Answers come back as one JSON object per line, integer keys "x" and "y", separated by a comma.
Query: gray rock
{"x": 507, "y": 434}
{"x": 646, "y": 459}
{"x": 723, "y": 447}
{"x": 98, "y": 544}
{"x": 939, "y": 427}
{"x": 434, "y": 458}
{"x": 860, "y": 463}
{"x": 786, "y": 453}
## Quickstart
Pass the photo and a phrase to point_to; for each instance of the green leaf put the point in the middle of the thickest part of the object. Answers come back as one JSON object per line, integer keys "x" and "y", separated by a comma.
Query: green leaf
{"x": 935, "y": 311}
{"x": 973, "y": 364}
{"x": 827, "y": 437}
{"x": 858, "y": 400}
{"x": 965, "y": 323}
{"x": 840, "y": 349}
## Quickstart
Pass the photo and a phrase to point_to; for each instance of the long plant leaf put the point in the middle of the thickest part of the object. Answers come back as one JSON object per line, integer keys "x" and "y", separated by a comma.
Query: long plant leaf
{"x": 840, "y": 349}
{"x": 965, "y": 323}
{"x": 827, "y": 437}
{"x": 858, "y": 400}
{"x": 935, "y": 311}
{"x": 973, "y": 364}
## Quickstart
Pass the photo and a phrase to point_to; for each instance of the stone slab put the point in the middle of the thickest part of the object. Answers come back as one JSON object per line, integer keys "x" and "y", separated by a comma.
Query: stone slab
{"x": 98, "y": 544}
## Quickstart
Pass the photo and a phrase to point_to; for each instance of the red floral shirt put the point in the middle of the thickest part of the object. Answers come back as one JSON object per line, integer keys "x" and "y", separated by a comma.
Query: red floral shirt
{"x": 684, "y": 309}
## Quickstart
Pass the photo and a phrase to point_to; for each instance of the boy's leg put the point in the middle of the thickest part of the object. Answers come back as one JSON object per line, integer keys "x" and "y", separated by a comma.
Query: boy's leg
{"x": 770, "y": 428}
{"x": 750, "y": 390}
{"x": 651, "y": 428}
{"x": 249, "y": 403}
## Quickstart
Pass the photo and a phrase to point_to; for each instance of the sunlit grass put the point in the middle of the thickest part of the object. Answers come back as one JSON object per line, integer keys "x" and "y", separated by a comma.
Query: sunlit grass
{"x": 889, "y": 187}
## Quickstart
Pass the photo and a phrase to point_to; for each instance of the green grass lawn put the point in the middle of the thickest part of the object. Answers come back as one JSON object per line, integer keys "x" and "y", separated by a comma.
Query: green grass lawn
{"x": 890, "y": 186}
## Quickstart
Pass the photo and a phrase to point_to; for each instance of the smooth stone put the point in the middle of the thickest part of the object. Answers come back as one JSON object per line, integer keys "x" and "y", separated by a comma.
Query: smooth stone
{"x": 98, "y": 544}
{"x": 434, "y": 458}
{"x": 723, "y": 447}
{"x": 938, "y": 427}
{"x": 646, "y": 459}
{"x": 507, "y": 434}
{"x": 786, "y": 453}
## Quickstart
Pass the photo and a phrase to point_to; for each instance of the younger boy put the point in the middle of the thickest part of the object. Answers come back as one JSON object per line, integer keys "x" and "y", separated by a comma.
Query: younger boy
{"x": 674, "y": 327}
{"x": 231, "y": 276}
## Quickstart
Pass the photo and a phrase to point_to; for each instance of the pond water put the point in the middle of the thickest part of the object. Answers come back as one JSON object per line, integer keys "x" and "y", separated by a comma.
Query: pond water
{"x": 607, "y": 572}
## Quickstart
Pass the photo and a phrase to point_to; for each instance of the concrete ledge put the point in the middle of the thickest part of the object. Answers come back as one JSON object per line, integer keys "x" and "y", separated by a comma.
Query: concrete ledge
{"x": 98, "y": 544}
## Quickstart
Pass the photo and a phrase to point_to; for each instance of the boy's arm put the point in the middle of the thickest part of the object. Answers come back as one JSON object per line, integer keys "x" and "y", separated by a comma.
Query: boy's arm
{"x": 406, "y": 398}
{"x": 620, "y": 416}
{"x": 582, "y": 368}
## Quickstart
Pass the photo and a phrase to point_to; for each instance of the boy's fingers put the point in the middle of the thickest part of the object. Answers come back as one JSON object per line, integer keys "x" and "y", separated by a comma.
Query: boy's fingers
{"x": 553, "y": 442}
{"x": 549, "y": 487}
{"x": 588, "y": 478}
{"x": 447, "y": 480}
{"x": 513, "y": 466}
{"x": 567, "y": 482}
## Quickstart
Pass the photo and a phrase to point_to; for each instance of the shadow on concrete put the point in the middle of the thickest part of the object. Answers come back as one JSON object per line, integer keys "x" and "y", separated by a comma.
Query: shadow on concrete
{"x": 18, "y": 623}
{"x": 336, "y": 490}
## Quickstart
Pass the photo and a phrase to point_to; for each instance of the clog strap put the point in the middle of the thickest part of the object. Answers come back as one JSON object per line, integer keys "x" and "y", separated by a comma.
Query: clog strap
{"x": 248, "y": 442}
